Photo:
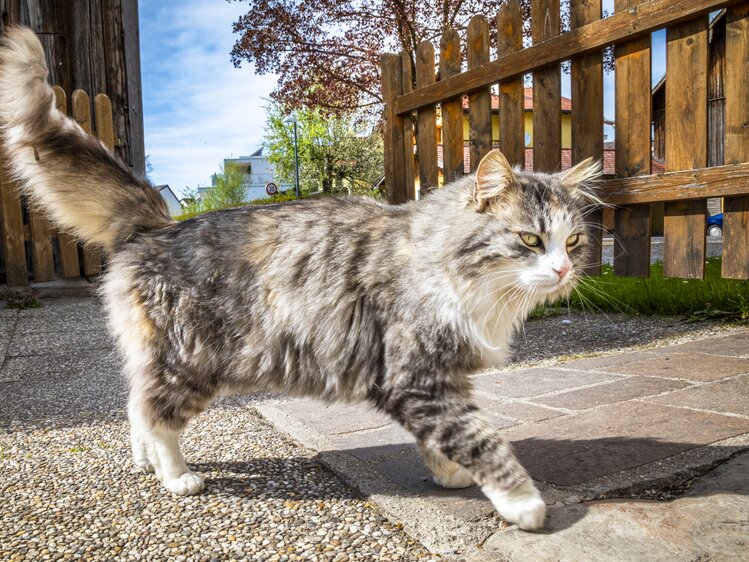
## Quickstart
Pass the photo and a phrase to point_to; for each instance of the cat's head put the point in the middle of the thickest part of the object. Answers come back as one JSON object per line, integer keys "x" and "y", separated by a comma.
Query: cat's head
{"x": 533, "y": 234}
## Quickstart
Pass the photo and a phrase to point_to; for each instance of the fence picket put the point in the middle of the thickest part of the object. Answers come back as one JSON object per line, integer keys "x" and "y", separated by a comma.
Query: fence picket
{"x": 686, "y": 145}
{"x": 393, "y": 128}
{"x": 632, "y": 143}
{"x": 479, "y": 102}
{"x": 16, "y": 274}
{"x": 736, "y": 150}
{"x": 547, "y": 92}
{"x": 81, "y": 111}
{"x": 408, "y": 130}
{"x": 452, "y": 110}
{"x": 69, "y": 264}
{"x": 426, "y": 134}
{"x": 587, "y": 113}
{"x": 511, "y": 92}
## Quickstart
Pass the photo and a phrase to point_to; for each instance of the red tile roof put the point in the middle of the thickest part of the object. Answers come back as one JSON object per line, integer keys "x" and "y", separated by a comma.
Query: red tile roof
{"x": 528, "y": 101}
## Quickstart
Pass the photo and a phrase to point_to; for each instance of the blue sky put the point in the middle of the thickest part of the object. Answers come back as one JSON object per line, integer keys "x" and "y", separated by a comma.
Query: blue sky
{"x": 197, "y": 108}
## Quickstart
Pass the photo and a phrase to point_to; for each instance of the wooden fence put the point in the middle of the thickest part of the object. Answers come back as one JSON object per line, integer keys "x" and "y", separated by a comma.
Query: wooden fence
{"x": 31, "y": 250}
{"x": 412, "y": 96}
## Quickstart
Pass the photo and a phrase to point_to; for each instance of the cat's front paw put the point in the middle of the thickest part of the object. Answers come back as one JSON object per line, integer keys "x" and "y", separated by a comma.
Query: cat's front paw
{"x": 523, "y": 505}
{"x": 187, "y": 484}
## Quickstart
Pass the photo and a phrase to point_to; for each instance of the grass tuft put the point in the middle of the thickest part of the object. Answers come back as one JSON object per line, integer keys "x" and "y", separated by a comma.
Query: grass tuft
{"x": 712, "y": 297}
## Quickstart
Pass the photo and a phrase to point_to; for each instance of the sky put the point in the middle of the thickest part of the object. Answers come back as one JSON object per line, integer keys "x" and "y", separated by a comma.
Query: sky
{"x": 197, "y": 108}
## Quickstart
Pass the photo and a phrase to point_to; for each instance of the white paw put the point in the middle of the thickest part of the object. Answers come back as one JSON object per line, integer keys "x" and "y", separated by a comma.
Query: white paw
{"x": 523, "y": 505}
{"x": 459, "y": 478}
{"x": 187, "y": 484}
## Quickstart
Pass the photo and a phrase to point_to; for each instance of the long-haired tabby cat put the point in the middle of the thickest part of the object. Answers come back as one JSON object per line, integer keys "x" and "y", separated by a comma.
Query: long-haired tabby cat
{"x": 340, "y": 299}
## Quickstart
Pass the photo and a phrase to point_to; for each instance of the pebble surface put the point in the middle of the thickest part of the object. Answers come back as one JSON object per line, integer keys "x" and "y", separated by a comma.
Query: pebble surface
{"x": 69, "y": 490}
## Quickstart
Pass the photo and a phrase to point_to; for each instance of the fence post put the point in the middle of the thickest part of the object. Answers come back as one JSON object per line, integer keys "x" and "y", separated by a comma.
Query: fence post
{"x": 547, "y": 92}
{"x": 408, "y": 129}
{"x": 632, "y": 143}
{"x": 452, "y": 110}
{"x": 16, "y": 274}
{"x": 392, "y": 86}
{"x": 736, "y": 209}
{"x": 69, "y": 264}
{"x": 686, "y": 145}
{"x": 426, "y": 134}
{"x": 511, "y": 92}
{"x": 480, "y": 102}
{"x": 587, "y": 113}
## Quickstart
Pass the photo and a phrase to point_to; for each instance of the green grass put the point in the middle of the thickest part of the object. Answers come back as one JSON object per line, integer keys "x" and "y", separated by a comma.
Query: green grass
{"x": 23, "y": 303}
{"x": 277, "y": 198}
{"x": 656, "y": 295}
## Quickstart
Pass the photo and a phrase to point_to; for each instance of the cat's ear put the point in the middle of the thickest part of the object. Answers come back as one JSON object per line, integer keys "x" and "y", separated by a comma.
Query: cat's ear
{"x": 582, "y": 179}
{"x": 493, "y": 175}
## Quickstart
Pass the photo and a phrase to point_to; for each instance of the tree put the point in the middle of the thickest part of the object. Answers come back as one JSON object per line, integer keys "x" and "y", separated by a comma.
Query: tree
{"x": 327, "y": 52}
{"x": 227, "y": 190}
{"x": 336, "y": 154}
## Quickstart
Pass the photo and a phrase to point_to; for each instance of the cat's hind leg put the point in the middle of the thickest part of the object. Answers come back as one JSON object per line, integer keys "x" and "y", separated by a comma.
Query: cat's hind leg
{"x": 155, "y": 443}
{"x": 445, "y": 473}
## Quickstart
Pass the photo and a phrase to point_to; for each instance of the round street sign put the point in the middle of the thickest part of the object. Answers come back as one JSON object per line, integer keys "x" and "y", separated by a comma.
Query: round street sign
{"x": 271, "y": 188}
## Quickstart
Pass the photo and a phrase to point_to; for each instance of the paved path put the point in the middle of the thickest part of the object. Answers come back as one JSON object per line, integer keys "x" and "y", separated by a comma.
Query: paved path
{"x": 638, "y": 425}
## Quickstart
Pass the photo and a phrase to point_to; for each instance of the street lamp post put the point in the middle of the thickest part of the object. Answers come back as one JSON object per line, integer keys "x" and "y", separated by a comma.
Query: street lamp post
{"x": 292, "y": 119}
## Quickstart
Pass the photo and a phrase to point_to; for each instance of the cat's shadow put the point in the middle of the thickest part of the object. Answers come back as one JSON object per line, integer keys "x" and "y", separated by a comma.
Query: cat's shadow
{"x": 402, "y": 473}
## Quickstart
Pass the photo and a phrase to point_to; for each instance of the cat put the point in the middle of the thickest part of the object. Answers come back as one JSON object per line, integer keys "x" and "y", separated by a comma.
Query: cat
{"x": 340, "y": 298}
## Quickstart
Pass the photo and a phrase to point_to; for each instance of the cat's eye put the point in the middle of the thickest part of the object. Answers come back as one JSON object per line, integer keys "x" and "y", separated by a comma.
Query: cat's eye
{"x": 573, "y": 240}
{"x": 530, "y": 240}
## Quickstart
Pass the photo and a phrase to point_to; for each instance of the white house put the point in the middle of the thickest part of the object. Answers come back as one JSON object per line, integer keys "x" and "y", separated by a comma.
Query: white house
{"x": 175, "y": 207}
{"x": 258, "y": 173}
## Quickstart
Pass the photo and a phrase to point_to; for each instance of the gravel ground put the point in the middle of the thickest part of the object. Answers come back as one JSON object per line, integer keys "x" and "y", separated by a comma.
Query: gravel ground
{"x": 69, "y": 490}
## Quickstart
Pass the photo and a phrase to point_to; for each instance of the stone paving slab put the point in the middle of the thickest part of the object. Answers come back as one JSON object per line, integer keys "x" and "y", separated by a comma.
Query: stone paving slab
{"x": 735, "y": 345}
{"x": 533, "y": 382}
{"x": 728, "y": 396}
{"x": 574, "y": 449}
{"x": 690, "y": 366}
{"x": 708, "y": 523}
{"x": 608, "y": 393}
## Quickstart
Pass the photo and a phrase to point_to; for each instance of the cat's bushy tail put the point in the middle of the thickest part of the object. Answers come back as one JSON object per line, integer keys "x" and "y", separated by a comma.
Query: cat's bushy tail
{"x": 69, "y": 174}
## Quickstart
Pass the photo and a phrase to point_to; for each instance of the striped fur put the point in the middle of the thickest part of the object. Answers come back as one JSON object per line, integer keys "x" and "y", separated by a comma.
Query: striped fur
{"x": 340, "y": 299}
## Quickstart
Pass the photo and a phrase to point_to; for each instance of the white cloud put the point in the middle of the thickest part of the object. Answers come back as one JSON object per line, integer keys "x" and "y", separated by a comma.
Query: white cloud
{"x": 198, "y": 108}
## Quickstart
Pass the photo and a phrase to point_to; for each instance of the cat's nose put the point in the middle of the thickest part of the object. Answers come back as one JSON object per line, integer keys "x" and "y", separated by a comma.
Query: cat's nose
{"x": 562, "y": 270}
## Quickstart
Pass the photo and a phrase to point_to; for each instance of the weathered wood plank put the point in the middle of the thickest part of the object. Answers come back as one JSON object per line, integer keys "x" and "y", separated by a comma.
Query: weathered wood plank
{"x": 69, "y": 264}
{"x": 393, "y": 129}
{"x": 81, "y": 112}
{"x": 16, "y": 274}
{"x": 718, "y": 181}
{"x": 409, "y": 165}
{"x": 618, "y": 28}
{"x": 41, "y": 247}
{"x": 547, "y": 92}
{"x": 632, "y": 142}
{"x": 686, "y": 145}
{"x": 511, "y": 94}
{"x": 587, "y": 112}
{"x": 735, "y": 263}
{"x": 103, "y": 117}
{"x": 452, "y": 110}
{"x": 426, "y": 134}
{"x": 480, "y": 101}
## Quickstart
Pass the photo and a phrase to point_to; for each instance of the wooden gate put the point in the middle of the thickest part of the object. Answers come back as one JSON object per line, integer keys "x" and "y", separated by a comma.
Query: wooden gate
{"x": 31, "y": 250}
{"x": 415, "y": 95}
